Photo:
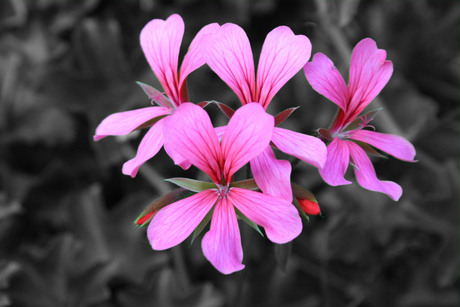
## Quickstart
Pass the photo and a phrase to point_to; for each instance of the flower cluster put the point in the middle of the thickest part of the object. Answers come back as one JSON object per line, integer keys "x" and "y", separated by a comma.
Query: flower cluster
{"x": 184, "y": 129}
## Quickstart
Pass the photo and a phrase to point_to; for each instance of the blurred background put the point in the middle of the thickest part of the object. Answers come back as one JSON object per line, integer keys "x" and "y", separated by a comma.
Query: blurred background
{"x": 66, "y": 211}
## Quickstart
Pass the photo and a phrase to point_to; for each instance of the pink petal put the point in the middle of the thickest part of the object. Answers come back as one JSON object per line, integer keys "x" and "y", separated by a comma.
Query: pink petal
{"x": 369, "y": 73}
{"x": 228, "y": 53}
{"x": 194, "y": 59}
{"x": 247, "y": 134}
{"x": 326, "y": 80}
{"x": 190, "y": 134}
{"x": 175, "y": 222}
{"x": 304, "y": 147}
{"x": 338, "y": 157}
{"x": 283, "y": 55}
{"x": 365, "y": 174}
{"x": 277, "y": 216}
{"x": 222, "y": 243}
{"x": 177, "y": 158}
{"x": 151, "y": 143}
{"x": 272, "y": 176}
{"x": 160, "y": 40}
{"x": 395, "y": 145}
{"x": 123, "y": 123}
{"x": 220, "y": 131}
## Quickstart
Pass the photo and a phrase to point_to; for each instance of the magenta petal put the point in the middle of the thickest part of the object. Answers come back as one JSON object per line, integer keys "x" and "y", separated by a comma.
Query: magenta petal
{"x": 369, "y": 73}
{"x": 123, "y": 123}
{"x": 304, "y": 147}
{"x": 277, "y": 216}
{"x": 194, "y": 59}
{"x": 247, "y": 134}
{"x": 222, "y": 243}
{"x": 220, "y": 131}
{"x": 365, "y": 174}
{"x": 395, "y": 145}
{"x": 327, "y": 80}
{"x": 272, "y": 176}
{"x": 177, "y": 158}
{"x": 338, "y": 157}
{"x": 151, "y": 143}
{"x": 283, "y": 55}
{"x": 160, "y": 40}
{"x": 189, "y": 134}
{"x": 228, "y": 53}
{"x": 175, "y": 222}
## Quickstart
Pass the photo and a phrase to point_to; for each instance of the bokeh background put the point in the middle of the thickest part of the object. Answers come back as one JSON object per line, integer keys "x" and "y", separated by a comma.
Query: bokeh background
{"x": 66, "y": 211}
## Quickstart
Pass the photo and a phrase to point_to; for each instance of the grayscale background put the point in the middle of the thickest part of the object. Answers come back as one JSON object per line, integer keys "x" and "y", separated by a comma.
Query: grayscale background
{"x": 66, "y": 211}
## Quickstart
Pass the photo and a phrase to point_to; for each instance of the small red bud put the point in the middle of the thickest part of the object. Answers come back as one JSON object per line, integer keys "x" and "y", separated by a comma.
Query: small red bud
{"x": 309, "y": 207}
{"x": 145, "y": 218}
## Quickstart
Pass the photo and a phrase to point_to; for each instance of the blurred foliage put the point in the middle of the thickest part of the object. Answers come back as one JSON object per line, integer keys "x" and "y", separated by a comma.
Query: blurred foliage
{"x": 66, "y": 211}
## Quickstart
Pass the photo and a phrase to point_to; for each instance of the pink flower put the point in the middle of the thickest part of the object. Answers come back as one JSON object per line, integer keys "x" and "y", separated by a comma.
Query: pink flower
{"x": 190, "y": 132}
{"x": 228, "y": 53}
{"x": 160, "y": 41}
{"x": 369, "y": 73}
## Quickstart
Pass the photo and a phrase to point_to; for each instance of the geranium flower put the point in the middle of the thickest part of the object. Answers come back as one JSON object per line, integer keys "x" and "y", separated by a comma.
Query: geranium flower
{"x": 190, "y": 132}
{"x": 160, "y": 40}
{"x": 228, "y": 52}
{"x": 369, "y": 73}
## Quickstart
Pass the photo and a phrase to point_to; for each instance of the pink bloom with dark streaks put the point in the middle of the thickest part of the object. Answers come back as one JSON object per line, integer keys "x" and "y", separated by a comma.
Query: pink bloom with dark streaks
{"x": 228, "y": 52}
{"x": 348, "y": 139}
{"x": 160, "y": 40}
{"x": 190, "y": 132}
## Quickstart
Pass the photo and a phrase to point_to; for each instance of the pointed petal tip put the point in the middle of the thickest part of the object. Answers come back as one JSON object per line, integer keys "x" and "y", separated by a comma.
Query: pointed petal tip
{"x": 98, "y": 137}
{"x": 305, "y": 147}
{"x": 221, "y": 245}
{"x": 366, "y": 176}
{"x": 130, "y": 168}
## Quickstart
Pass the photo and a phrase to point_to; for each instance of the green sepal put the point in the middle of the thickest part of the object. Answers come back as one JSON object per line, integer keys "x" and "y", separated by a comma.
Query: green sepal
{"x": 192, "y": 184}
{"x": 282, "y": 116}
{"x": 224, "y": 108}
{"x": 163, "y": 201}
{"x": 367, "y": 148}
{"x": 151, "y": 122}
{"x": 155, "y": 95}
{"x": 202, "y": 225}
{"x": 365, "y": 118}
{"x": 299, "y": 208}
{"x": 204, "y": 104}
{"x": 248, "y": 221}
{"x": 248, "y": 184}
{"x": 325, "y": 134}
{"x": 300, "y": 192}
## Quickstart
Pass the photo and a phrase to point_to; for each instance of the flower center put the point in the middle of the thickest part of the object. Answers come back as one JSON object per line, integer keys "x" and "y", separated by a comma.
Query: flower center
{"x": 340, "y": 134}
{"x": 222, "y": 191}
